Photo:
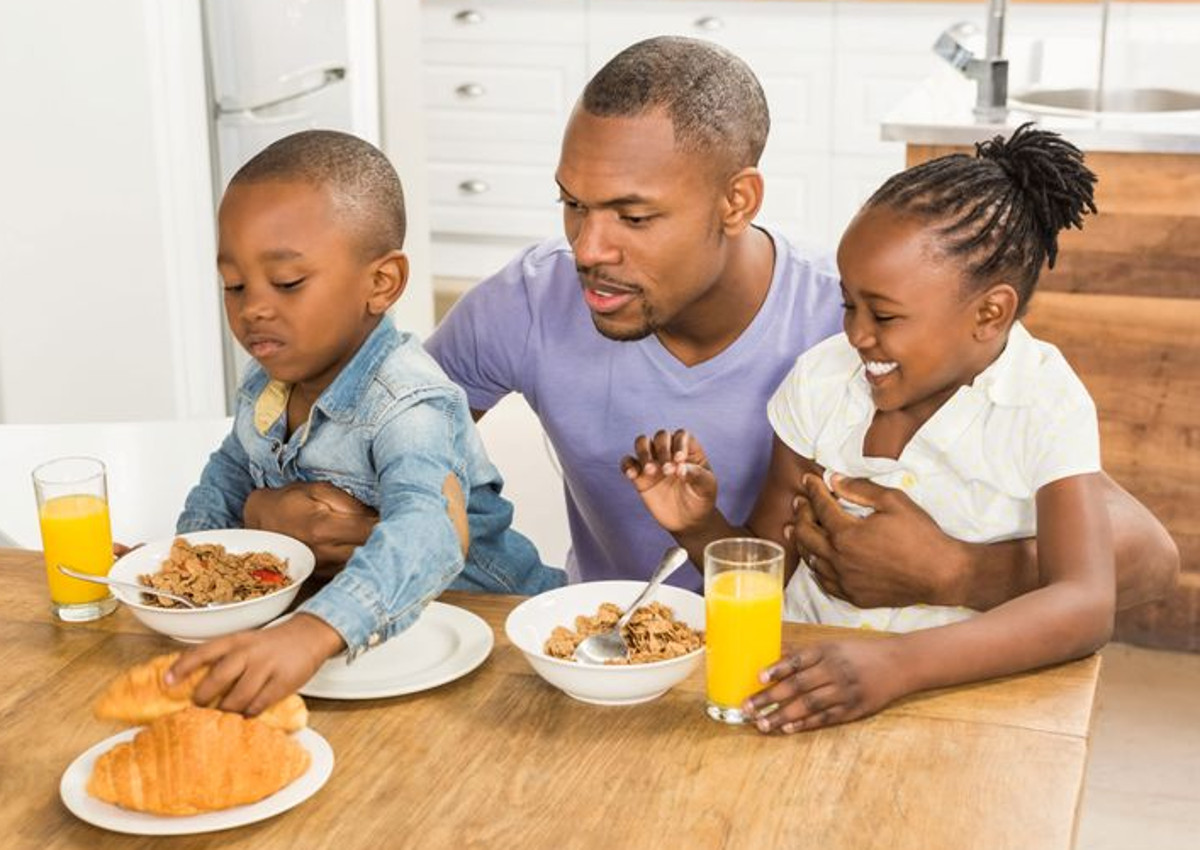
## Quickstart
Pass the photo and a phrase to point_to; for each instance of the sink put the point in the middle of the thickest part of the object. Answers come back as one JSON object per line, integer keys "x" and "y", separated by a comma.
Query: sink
{"x": 1080, "y": 101}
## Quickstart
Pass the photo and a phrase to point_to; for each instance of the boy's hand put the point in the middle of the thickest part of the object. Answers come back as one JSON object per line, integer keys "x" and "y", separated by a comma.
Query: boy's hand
{"x": 250, "y": 671}
{"x": 672, "y": 474}
{"x": 826, "y": 684}
{"x": 329, "y": 520}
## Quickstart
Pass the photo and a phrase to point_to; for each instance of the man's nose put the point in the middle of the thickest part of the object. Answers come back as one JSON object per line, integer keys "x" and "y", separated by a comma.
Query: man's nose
{"x": 593, "y": 244}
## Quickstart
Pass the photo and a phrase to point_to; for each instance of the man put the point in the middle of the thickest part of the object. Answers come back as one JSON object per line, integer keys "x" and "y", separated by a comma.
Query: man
{"x": 666, "y": 304}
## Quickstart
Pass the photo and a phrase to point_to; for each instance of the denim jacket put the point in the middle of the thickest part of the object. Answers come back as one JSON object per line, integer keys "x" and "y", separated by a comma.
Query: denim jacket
{"x": 388, "y": 431}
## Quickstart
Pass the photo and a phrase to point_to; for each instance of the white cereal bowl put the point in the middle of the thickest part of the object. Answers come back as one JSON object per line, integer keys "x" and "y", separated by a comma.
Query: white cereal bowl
{"x": 192, "y": 625}
{"x": 530, "y": 623}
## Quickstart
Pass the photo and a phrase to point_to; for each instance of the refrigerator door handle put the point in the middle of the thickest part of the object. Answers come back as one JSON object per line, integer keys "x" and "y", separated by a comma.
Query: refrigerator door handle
{"x": 326, "y": 77}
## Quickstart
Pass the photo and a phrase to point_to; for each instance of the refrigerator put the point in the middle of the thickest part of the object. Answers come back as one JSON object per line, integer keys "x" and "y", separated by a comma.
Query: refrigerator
{"x": 275, "y": 67}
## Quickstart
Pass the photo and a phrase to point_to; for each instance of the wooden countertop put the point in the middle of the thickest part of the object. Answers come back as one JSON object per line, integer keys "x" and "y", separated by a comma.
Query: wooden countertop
{"x": 496, "y": 759}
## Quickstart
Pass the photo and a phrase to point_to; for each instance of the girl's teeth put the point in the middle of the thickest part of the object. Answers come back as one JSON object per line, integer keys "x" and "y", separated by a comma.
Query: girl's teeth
{"x": 880, "y": 368}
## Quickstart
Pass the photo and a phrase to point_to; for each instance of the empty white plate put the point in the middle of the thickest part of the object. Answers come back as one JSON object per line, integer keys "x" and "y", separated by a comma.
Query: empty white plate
{"x": 446, "y": 643}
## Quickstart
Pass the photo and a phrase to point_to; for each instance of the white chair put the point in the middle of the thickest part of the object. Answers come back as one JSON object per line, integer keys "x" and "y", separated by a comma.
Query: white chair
{"x": 516, "y": 444}
{"x": 151, "y": 466}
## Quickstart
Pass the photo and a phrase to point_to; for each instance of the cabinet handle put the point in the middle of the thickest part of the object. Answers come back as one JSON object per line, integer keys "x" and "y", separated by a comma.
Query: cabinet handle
{"x": 473, "y": 187}
{"x": 711, "y": 23}
{"x": 470, "y": 90}
{"x": 469, "y": 16}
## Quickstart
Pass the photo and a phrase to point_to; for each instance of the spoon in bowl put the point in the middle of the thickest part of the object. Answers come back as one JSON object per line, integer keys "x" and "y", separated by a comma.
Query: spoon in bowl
{"x": 610, "y": 646}
{"x": 128, "y": 585}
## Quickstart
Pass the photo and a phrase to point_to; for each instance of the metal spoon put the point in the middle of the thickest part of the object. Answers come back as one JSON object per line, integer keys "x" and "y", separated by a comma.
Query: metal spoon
{"x": 128, "y": 585}
{"x": 610, "y": 646}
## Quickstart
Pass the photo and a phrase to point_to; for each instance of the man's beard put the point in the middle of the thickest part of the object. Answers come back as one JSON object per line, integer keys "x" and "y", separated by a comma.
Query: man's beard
{"x": 648, "y": 327}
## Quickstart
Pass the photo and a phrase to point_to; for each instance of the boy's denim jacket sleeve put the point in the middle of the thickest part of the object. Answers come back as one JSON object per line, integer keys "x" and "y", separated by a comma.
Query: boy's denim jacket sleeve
{"x": 220, "y": 498}
{"x": 414, "y": 553}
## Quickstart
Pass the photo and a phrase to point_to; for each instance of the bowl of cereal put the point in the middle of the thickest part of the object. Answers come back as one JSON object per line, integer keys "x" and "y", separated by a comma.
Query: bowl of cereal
{"x": 239, "y": 579}
{"x": 665, "y": 635}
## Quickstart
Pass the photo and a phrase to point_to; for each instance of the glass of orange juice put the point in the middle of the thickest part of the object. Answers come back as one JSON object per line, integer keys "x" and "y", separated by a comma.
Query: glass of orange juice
{"x": 72, "y": 497}
{"x": 743, "y": 613}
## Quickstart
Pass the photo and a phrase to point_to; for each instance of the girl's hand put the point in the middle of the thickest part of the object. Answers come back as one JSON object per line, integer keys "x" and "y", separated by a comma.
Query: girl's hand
{"x": 672, "y": 474}
{"x": 827, "y": 684}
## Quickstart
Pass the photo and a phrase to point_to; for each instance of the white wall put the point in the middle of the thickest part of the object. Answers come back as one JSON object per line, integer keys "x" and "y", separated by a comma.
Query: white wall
{"x": 104, "y": 313}
{"x": 403, "y": 125}
{"x": 109, "y": 303}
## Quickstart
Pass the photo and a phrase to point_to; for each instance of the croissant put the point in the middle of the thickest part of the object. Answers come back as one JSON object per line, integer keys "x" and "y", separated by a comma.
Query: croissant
{"x": 197, "y": 760}
{"x": 139, "y": 695}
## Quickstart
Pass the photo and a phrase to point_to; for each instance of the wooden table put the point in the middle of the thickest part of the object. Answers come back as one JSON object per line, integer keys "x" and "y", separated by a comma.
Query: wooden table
{"x": 500, "y": 759}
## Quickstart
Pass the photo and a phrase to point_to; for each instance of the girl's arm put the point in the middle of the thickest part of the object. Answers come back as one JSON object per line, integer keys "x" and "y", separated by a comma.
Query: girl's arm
{"x": 1069, "y": 617}
{"x": 678, "y": 487}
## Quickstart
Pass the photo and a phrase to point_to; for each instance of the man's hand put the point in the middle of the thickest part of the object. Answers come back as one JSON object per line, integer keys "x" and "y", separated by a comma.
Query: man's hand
{"x": 251, "y": 671}
{"x": 896, "y": 556}
{"x": 672, "y": 475}
{"x": 826, "y": 684}
{"x": 330, "y": 521}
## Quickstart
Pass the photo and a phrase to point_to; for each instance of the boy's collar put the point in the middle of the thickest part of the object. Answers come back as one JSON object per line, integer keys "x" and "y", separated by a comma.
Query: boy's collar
{"x": 341, "y": 398}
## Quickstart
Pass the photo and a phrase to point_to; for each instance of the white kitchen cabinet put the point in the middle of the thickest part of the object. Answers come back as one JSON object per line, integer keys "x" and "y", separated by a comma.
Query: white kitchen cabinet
{"x": 501, "y": 77}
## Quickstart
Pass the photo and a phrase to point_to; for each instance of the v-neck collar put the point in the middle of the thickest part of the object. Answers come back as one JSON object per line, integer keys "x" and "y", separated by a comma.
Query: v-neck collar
{"x": 684, "y": 375}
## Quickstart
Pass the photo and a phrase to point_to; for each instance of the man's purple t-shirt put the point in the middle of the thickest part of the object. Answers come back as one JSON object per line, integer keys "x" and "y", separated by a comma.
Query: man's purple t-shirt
{"x": 527, "y": 330}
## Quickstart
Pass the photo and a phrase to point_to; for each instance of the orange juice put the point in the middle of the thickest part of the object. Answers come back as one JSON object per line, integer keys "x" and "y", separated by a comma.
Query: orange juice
{"x": 744, "y": 625}
{"x": 76, "y": 532}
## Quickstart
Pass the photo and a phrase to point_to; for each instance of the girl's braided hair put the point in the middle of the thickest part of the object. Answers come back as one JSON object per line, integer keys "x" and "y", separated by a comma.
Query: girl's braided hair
{"x": 1003, "y": 208}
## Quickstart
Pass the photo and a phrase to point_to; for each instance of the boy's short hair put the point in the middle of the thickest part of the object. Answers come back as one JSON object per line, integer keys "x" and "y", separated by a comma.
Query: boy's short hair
{"x": 362, "y": 182}
{"x": 713, "y": 99}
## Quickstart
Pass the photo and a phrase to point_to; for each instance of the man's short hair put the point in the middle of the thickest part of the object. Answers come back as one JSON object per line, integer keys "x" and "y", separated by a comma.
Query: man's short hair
{"x": 362, "y": 182}
{"x": 713, "y": 99}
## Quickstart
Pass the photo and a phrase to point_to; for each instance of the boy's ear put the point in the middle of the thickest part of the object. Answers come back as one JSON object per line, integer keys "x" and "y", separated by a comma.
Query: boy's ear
{"x": 995, "y": 311}
{"x": 389, "y": 276}
{"x": 742, "y": 201}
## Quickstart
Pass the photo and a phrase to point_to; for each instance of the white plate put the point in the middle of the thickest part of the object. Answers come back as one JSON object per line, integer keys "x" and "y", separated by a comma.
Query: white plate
{"x": 84, "y": 806}
{"x": 445, "y": 643}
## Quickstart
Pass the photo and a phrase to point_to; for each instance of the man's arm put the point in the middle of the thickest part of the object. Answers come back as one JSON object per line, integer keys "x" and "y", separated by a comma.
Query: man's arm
{"x": 898, "y": 555}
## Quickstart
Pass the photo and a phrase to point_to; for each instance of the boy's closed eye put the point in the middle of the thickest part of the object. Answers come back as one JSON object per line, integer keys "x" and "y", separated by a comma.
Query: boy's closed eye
{"x": 288, "y": 284}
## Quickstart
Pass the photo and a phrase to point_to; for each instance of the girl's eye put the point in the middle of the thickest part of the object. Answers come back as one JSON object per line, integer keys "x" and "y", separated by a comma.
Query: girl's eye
{"x": 288, "y": 284}
{"x": 880, "y": 318}
{"x": 233, "y": 288}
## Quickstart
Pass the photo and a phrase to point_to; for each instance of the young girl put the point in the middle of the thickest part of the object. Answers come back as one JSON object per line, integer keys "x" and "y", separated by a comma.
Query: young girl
{"x": 936, "y": 389}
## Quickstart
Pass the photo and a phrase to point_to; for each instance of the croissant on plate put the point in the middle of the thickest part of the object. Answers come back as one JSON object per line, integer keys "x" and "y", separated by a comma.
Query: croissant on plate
{"x": 139, "y": 695}
{"x": 197, "y": 760}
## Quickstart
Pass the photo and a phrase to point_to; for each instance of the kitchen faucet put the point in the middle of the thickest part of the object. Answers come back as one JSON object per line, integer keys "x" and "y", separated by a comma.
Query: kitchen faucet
{"x": 958, "y": 46}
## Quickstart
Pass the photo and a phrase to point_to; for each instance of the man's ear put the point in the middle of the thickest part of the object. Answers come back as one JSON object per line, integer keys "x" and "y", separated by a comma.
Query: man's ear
{"x": 742, "y": 201}
{"x": 389, "y": 276}
{"x": 995, "y": 311}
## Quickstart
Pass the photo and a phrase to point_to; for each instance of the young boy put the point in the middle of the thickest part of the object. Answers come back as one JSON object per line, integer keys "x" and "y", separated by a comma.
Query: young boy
{"x": 310, "y": 237}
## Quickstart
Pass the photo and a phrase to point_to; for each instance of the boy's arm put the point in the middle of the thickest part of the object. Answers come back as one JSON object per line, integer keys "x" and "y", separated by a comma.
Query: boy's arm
{"x": 898, "y": 555}
{"x": 411, "y": 556}
{"x": 216, "y": 502}
{"x": 414, "y": 552}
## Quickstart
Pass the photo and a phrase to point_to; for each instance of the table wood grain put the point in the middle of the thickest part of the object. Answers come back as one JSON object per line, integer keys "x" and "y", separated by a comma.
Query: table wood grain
{"x": 500, "y": 759}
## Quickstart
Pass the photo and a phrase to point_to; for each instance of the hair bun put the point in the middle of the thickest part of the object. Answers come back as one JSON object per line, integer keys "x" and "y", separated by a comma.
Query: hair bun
{"x": 1050, "y": 172}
